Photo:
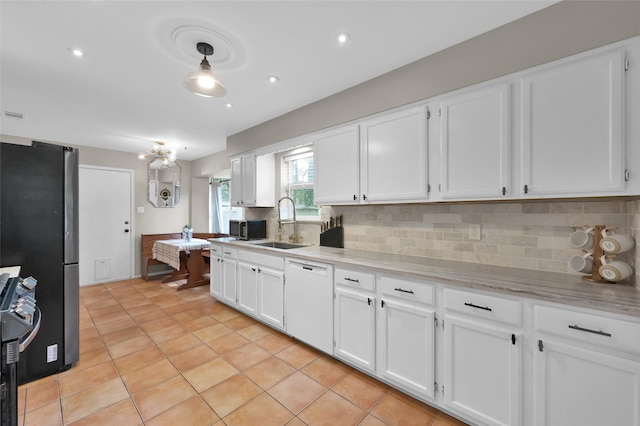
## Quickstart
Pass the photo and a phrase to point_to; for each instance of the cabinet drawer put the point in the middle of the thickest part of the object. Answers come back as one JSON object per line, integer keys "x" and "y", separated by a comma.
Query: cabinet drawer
{"x": 216, "y": 250}
{"x": 588, "y": 327}
{"x": 229, "y": 253}
{"x": 483, "y": 306}
{"x": 415, "y": 291}
{"x": 267, "y": 260}
{"x": 357, "y": 279}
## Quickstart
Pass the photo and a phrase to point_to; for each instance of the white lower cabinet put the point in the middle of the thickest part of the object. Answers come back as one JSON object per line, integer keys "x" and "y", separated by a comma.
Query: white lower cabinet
{"x": 482, "y": 371}
{"x": 586, "y": 369}
{"x": 574, "y": 385}
{"x": 385, "y": 326}
{"x": 355, "y": 318}
{"x": 406, "y": 346}
{"x": 248, "y": 288}
{"x": 216, "y": 277}
{"x": 261, "y": 286}
{"x": 271, "y": 297}
{"x": 406, "y": 334}
{"x": 483, "y": 349}
{"x": 229, "y": 269}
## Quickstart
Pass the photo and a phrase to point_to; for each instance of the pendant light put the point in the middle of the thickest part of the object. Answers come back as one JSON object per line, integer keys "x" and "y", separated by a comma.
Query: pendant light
{"x": 203, "y": 82}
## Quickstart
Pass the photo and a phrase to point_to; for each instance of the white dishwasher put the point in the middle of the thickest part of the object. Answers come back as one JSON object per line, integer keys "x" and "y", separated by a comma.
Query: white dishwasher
{"x": 308, "y": 293}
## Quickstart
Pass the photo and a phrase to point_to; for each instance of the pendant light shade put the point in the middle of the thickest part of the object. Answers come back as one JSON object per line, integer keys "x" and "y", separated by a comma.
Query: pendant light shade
{"x": 203, "y": 82}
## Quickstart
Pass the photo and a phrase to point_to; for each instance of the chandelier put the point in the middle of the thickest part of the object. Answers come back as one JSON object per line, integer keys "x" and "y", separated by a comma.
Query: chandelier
{"x": 158, "y": 150}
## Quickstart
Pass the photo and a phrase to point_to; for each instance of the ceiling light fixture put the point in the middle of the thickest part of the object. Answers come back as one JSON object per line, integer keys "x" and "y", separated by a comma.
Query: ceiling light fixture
{"x": 343, "y": 38}
{"x": 203, "y": 82}
{"x": 272, "y": 79}
{"x": 228, "y": 105}
{"x": 158, "y": 150}
{"x": 76, "y": 52}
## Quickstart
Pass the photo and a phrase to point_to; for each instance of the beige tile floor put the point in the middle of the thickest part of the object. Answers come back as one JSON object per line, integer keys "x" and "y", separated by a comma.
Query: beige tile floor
{"x": 154, "y": 356}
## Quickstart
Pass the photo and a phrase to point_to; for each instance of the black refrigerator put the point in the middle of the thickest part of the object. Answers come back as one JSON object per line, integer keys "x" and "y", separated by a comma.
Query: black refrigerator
{"x": 39, "y": 232}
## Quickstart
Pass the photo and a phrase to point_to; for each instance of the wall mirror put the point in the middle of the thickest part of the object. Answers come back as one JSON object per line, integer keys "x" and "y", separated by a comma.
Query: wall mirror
{"x": 164, "y": 181}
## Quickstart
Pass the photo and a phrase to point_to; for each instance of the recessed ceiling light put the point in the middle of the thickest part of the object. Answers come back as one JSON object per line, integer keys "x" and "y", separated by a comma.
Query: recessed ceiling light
{"x": 228, "y": 105}
{"x": 272, "y": 79}
{"x": 343, "y": 38}
{"x": 76, "y": 52}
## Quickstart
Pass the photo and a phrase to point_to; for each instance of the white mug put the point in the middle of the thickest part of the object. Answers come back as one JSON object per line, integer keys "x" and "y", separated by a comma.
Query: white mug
{"x": 616, "y": 243}
{"x": 582, "y": 239}
{"x": 582, "y": 263}
{"x": 614, "y": 271}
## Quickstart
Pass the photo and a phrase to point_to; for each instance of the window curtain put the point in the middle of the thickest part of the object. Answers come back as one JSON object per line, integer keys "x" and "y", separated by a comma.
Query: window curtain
{"x": 215, "y": 209}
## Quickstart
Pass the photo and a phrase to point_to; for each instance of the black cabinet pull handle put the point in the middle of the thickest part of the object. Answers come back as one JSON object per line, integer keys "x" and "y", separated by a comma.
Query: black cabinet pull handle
{"x": 588, "y": 330}
{"x": 403, "y": 290}
{"x": 369, "y": 301}
{"x": 307, "y": 268}
{"x": 364, "y": 197}
{"x": 485, "y": 308}
{"x": 355, "y": 197}
{"x": 526, "y": 189}
{"x": 353, "y": 280}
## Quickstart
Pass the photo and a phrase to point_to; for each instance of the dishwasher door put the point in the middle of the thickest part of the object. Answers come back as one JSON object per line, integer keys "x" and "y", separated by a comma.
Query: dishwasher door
{"x": 308, "y": 296}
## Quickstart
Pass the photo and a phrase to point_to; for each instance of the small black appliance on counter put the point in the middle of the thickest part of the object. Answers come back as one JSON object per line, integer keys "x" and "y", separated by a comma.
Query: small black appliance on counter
{"x": 248, "y": 229}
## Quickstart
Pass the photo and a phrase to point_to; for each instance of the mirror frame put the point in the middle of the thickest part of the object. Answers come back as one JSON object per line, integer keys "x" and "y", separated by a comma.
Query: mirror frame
{"x": 163, "y": 193}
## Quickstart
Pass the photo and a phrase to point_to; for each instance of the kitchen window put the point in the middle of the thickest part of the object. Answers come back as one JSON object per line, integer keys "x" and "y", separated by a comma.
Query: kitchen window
{"x": 297, "y": 178}
{"x": 220, "y": 206}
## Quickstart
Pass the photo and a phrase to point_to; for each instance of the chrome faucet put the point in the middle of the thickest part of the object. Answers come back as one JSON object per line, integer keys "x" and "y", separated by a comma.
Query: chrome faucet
{"x": 281, "y": 221}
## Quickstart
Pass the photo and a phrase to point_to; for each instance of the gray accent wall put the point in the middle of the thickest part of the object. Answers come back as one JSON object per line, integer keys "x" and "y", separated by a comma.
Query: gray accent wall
{"x": 561, "y": 30}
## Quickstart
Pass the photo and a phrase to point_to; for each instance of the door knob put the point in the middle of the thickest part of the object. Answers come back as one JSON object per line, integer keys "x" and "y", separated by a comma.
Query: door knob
{"x": 126, "y": 230}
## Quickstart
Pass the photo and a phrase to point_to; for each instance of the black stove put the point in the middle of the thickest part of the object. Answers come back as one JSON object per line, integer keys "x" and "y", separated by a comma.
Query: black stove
{"x": 20, "y": 318}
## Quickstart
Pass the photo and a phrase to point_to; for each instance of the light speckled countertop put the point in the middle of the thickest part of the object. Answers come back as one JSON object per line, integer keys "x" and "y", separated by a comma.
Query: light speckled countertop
{"x": 621, "y": 298}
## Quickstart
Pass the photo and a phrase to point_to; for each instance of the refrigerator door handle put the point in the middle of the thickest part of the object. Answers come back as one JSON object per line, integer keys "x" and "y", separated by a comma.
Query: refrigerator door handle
{"x": 26, "y": 340}
{"x": 71, "y": 206}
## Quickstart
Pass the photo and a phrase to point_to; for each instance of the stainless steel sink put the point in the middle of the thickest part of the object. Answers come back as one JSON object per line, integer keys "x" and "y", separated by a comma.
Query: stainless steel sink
{"x": 279, "y": 245}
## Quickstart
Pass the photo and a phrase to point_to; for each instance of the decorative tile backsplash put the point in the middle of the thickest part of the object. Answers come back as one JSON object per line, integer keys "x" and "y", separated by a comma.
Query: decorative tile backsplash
{"x": 531, "y": 235}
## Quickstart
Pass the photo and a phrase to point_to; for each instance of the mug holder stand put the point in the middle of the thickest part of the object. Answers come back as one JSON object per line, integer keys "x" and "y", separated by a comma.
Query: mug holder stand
{"x": 595, "y": 276}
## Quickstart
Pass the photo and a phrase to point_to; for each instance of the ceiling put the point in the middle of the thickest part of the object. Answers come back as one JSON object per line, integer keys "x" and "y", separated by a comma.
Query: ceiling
{"x": 126, "y": 92}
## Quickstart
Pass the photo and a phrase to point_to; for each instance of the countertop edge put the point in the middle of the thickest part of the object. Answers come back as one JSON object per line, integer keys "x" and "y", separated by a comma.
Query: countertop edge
{"x": 566, "y": 289}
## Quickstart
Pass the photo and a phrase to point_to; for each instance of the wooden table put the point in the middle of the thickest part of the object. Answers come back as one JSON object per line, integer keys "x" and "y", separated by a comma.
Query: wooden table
{"x": 186, "y": 258}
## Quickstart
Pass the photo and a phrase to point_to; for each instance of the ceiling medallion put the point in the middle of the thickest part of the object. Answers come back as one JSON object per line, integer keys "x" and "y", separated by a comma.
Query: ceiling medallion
{"x": 178, "y": 36}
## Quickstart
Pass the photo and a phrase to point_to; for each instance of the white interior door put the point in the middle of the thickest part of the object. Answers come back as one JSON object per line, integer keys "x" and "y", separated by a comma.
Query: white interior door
{"x": 106, "y": 234}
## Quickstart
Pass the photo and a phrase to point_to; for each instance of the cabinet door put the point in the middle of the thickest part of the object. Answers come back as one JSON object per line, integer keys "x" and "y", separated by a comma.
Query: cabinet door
{"x": 407, "y": 346}
{"x": 482, "y": 371}
{"x": 475, "y": 144}
{"x": 355, "y": 328}
{"x": 578, "y": 386}
{"x": 572, "y": 127}
{"x": 336, "y": 165}
{"x": 229, "y": 281}
{"x": 248, "y": 288}
{"x": 394, "y": 157}
{"x": 249, "y": 180}
{"x": 271, "y": 297}
{"x": 236, "y": 181}
{"x": 216, "y": 276}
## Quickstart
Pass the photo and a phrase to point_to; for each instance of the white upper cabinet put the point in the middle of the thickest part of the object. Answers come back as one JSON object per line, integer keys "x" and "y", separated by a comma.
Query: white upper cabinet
{"x": 337, "y": 166}
{"x": 394, "y": 157}
{"x": 382, "y": 159}
{"x": 475, "y": 143}
{"x": 253, "y": 180}
{"x": 572, "y": 127}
